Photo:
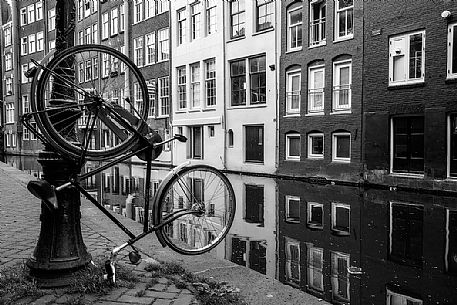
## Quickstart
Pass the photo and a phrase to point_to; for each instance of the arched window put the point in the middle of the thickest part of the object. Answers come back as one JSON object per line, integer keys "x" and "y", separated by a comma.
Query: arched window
{"x": 230, "y": 138}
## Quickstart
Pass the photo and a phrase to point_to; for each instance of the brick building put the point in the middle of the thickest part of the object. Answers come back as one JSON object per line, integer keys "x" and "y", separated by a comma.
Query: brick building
{"x": 320, "y": 93}
{"x": 410, "y": 74}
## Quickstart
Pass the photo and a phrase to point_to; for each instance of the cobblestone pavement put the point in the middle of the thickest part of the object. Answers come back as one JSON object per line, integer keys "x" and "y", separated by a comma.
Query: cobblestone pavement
{"x": 19, "y": 230}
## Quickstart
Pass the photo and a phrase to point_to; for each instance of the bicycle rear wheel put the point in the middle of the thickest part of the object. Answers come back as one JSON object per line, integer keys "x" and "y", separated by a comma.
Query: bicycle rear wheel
{"x": 206, "y": 198}
{"x": 91, "y": 102}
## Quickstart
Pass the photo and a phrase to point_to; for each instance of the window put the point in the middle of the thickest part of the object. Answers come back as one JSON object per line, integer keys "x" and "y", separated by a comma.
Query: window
{"x": 95, "y": 33}
{"x": 293, "y": 92}
{"x": 258, "y": 80}
{"x": 452, "y": 146}
{"x": 294, "y": 29}
{"x": 182, "y": 29}
{"x": 254, "y": 144}
{"x": 196, "y": 142}
{"x": 210, "y": 17}
{"x": 25, "y": 104}
{"x": 408, "y": 144}
{"x": 344, "y": 23}
{"x": 9, "y": 112}
{"x": 316, "y": 87}
{"x": 293, "y": 146}
{"x": 87, "y": 35}
{"x": 230, "y": 138}
{"x": 80, "y": 9}
{"x": 138, "y": 11}
{"x": 150, "y": 48}
{"x": 114, "y": 21}
{"x": 238, "y": 80}
{"x": 316, "y": 145}
{"x": 342, "y": 81}
{"x": 24, "y": 78}
{"x": 254, "y": 203}
{"x": 13, "y": 139}
{"x": 52, "y": 44}
{"x": 292, "y": 274}
{"x": 8, "y": 61}
{"x": 394, "y": 298}
{"x": 451, "y": 242}
{"x": 293, "y": 209}
{"x": 341, "y": 147}
{"x": 340, "y": 276}
{"x": 138, "y": 51}
{"x": 164, "y": 53}
{"x": 237, "y": 18}
{"x": 315, "y": 265}
{"x": 210, "y": 82}
{"x": 182, "y": 87}
{"x": 80, "y": 37}
{"x": 39, "y": 10}
{"x": 265, "y": 14}
{"x": 87, "y": 8}
{"x": 39, "y": 41}
{"x": 88, "y": 72}
{"x": 121, "y": 18}
{"x": 23, "y": 16}
{"x": 149, "y": 8}
{"x": 105, "y": 25}
{"x": 211, "y": 131}
{"x": 452, "y": 51}
{"x": 407, "y": 58}
{"x": 24, "y": 46}
{"x": 317, "y": 17}
{"x": 315, "y": 215}
{"x": 9, "y": 85}
{"x": 138, "y": 97}
{"x": 7, "y": 35}
{"x": 26, "y": 134}
{"x": 406, "y": 233}
{"x": 81, "y": 71}
{"x": 162, "y": 6}
{"x": 195, "y": 85}
{"x": 164, "y": 96}
{"x": 31, "y": 13}
{"x": 152, "y": 97}
{"x": 33, "y": 135}
{"x": 341, "y": 218}
{"x": 195, "y": 11}
{"x": 51, "y": 19}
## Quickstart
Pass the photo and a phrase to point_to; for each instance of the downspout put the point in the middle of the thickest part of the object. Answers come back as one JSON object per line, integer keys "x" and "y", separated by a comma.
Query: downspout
{"x": 277, "y": 70}
{"x": 17, "y": 62}
{"x": 362, "y": 124}
{"x": 170, "y": 65}
{"x": 224, "y": 87}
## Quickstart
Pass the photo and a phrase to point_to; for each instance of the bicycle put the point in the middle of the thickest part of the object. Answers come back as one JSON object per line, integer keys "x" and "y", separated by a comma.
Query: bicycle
{"x": 82, "y": 104}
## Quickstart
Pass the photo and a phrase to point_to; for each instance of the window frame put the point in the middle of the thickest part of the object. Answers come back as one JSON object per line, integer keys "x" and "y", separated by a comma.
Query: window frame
{"x": 390, "y": 293}
{"x": 40, "y": 41}
{"x": 193, "y": 143}
{"x": 320, "y": 24}
{"x": 114, "y": 21}
{"x": 211, "y": 15}
{"x": 163, "y": 44}
{"x": 334, "y": 228}
{"x": 138, "y": 51}
{"x": 181, "y": 18}
{"x": 290, "y": 94}
{"x": 239, "y": 14}
{"x": 138, "y": 15}
{"x": 289, "y": 136}
{"x": 210, "y": 82}
{"x": 335, "y": 276}
{"x": 195, "y": 85}
{"x": 297, "y": 27}
{"x": 310, "y": 145}
{"x": 269, "y": 15}
{"x": 312, "y": 252}
{"x": 407, "y": 58}
{"x": 236, "y": 78}
{"x": 23, "y": 16}
{"x": 339, "y": 88}
{"x": 196, "y": 19}
{"x": 258, "y": 75}
{"x": 162, "y": 6}
{"x": 150, "y": 48}
{"x": 51, "y": 19}
{"x": 260, "y": 144}
{"x": 338, "y": 13}
{"x": 289, "y": 261}
{"x": 309, "y": 216}
{"x": 181, "y": 77}
{"x": 31, "y": 13}
{"x": 314, "y": 92}
{"x": 105, "y": 25}
{"x": 335, "y": 157}
{"x": 289, "y": 218}
{"x": 7, "y": 36}
{"x": 452, "y": 51}
{"x": 24, "y": 45}
{"x": 8, "y": 61}
{"x": 9, "y": 111}
{"x": 39, "y": 10}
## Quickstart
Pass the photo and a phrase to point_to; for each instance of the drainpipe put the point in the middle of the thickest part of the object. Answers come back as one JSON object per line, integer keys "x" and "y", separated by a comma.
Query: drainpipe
{"x": 16, "y": 60}
{"x": 277, "y": 70}
{"x": 224, "y": 57}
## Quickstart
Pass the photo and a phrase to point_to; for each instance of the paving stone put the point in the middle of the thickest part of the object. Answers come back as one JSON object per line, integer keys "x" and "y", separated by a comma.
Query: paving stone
{"x": 135, "y": 300}
{"x": 162, "y": 280}
{"x": 114, "y": 295}
{"x": 172, "y": 288}
{"x": 162, "y": 302}
{"x": 158, "y": 287}
{"x": 160, "y": 294}
{"x": 184, "y": 300}
{"x": 185, "y": 291}
{"x": 45, "y": 299}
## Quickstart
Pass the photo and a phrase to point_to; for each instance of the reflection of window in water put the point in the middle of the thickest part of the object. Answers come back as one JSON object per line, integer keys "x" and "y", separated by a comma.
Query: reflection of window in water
{"x": 451, "y": 242}
{"x": 315, "y": 218}
{"x": 394, "y": 298}
{"x": 249, "y": 253}
{"x": 183, "y": 232}
{"x": 315, "y": 264}
{"x": 341, "y": 217}
{"x": 406, "y": 233}
{"x": 292, "y": 273}
{"x": 254, "y": 204}
{"x": 292, "y": 209}
{"x": 340, "y": 276}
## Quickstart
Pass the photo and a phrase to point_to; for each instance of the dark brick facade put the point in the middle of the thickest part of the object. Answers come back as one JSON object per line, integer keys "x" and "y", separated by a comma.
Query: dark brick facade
{"x": 329, "y": 122}
{"x": 434, "y": 99}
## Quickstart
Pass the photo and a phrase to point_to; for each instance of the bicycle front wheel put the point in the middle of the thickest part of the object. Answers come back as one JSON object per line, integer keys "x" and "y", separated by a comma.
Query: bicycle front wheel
{"x": 91, "y": 102}
{"x": 205, "y": 199}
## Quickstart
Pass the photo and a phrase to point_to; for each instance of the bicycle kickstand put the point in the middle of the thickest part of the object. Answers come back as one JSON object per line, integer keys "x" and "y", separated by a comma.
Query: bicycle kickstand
{"x": 110, "y": 264}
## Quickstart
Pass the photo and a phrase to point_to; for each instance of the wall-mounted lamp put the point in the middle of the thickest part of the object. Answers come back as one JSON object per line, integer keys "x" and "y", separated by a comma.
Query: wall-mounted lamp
{"x": 446, "y": 14}
{"x": 272, "y": 67}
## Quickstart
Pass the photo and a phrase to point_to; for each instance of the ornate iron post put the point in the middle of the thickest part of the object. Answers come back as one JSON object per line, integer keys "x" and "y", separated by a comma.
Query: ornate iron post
{"x": 60, "y": 250}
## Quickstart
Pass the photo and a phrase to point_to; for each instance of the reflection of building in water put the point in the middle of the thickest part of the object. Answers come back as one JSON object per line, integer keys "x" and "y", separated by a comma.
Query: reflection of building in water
{"x": 320, "y": 238}
{"x": 252, "y": 238}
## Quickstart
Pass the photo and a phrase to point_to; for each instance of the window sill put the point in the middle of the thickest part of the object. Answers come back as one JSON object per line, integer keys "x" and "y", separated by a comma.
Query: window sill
{"x": 451, "y": 79}
{"x": 180, "y": 111}
{"x": 324, "y": 43}
{"x": 315, "y": 227}
{"x": 294, "y": 50}
{"x": 291, "y": 220}
{"x": 345, "y": 38}
{"x": 236, "y": 39}
{"x": 247, "y": 106}
{"x": 407, "y": 175}
{"x": 406, "y": 85}
{"x": 270, "y": 29}
{"x": 292, "y": 159}
{"x": 162, "y": 116}
{"x": 253, "y": 162}
{"x": 341, "y": 161}
{"x": 340, "y": 233}
{"x": 315, "y": 158}
{"x": 315, "y": 113}
{"x": 163, "y": 60}
{"x": 294, "y": 115}
{"x": 194, "y": 110}
{"x": 114, "y": 35}
{"x": 336, "y": 112}
{"x": 208, "y": 109}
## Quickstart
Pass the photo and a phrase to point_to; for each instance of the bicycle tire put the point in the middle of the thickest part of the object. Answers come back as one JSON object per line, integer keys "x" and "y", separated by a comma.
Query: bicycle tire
{"x": 63, "y": 94}
{"x": 213, "y": 216}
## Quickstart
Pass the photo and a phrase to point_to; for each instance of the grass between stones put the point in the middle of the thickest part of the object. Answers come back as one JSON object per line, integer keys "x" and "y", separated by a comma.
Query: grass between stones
{"x": 207, "y": 291}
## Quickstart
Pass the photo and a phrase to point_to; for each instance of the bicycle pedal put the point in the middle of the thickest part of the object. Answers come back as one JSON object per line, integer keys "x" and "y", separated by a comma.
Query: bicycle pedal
{"x": 134, "y": 257}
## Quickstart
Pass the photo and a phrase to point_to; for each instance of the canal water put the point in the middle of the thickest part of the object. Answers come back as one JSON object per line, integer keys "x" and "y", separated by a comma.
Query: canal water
{"x": 346, "y": 245}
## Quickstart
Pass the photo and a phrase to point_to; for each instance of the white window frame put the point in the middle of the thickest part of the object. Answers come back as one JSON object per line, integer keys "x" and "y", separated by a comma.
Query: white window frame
{"x": 210, "y": 16}
{"x": 95, "y": 33}
{"x": 164, "y": 96}
{"x": 150, "y": 48}
{"x": 13, "y": 140}
{"x": 196, "y": 19}
{"x": 105, "y": 26}
{"x": 288, "y": 264}
{"x": 51, "y": 19}
{"x": 396, "y": 49}
{"x": 339, "y": 88}
{"x": 288, "y": 138}
{"x": 121, "y": 18}
{"x": 39, "y": 10}
{"x": 293, "y": 27}
{"x": 24, "y": 79}
{"x": 138, "y": 11}
{"x": 195, "y": 85}
{"x": 288, "y": 199}
{"x": 210, "y": 82}
{"x": 182, "y": 25}
{"x": 309, "y": 208}
{"x": 40, "y": 41}
{"x": 313, "y": 251}
{"x": 9, "y": 85}
{"x": 181, "y": 77}
{"x": 334, "y": 276}
{"x": 290, "y": 93}
{"x": 114, "y": 21}
{"x": 25, "y": 104}
{"x": 149, "y": 9}
{"x": 192, "y": 144}
{"x": 313, "y": 91}
{"x": 339, "y": 12}
{"x": 336, "y": 205}
{"x": 23, "y": 16}
{"x": 81, "y": 37}
{"x": 8, "y": 61}
{"x": 31, "y": 13}
{"x": 163, "y": 45}
{"x": 335, "y": 137}
{"x": 451, "y": 46}
{"x": 311, "y": 137}
{"x": 25, "y": 134}
{"x": 162, "y": 6}
{"x": 7, "y": 34}
{"x": 404, "y": 298}
{"x": 9, "y": 107}
{"x": 319, "y": 24}
{"x": 88, "y": 35}
{"x": 138, "y": 51}
{"x": 24, "y": 45}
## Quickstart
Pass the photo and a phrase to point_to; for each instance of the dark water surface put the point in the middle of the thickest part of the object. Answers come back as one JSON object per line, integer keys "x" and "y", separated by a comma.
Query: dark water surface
{"x": 346, "y": 245}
